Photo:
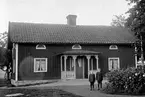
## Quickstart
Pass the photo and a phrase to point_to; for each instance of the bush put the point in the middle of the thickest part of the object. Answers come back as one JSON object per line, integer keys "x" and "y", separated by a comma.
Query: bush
{"x": 128, "y": 81}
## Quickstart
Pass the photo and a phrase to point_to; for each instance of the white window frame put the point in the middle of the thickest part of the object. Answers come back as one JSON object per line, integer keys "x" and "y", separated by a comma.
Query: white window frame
{"x": 73, "y": 47}
{"x": 113, "y": 58}
{"x": 110, "y": 47}
{"x": 35, "y": 65}
{"x": 37, "y": 46}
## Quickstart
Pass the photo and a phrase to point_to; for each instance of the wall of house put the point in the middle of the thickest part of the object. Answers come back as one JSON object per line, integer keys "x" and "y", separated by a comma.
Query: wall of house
{"x": 124, "y": 52}
{"x": 27, "y": 53}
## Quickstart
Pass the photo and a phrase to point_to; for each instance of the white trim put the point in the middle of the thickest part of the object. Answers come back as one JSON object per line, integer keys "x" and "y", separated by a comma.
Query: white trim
{"x": 65, "y": 58}
{"x": 73, "y": 47}
{"x": 110, "y": 47}
{"x": 16, "y": 74}
{"x": 97, "y": 61}
{"x": 37, "y": 46}
{"x": 113, "y": 58}
{"x": 88, "y": 62}
{"x": 61, "y": 63}
{"x": 136, "y": 60}
{"x": 45, "y": 64}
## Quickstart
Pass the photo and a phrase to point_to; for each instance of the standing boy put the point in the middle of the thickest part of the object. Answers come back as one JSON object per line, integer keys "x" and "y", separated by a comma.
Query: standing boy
{"x": 92, "y": 80}
{"x": 99, "y": 78}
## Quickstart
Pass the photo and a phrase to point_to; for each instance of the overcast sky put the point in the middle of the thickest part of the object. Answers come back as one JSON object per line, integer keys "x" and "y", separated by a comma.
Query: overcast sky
{"x": 89, "y": 12}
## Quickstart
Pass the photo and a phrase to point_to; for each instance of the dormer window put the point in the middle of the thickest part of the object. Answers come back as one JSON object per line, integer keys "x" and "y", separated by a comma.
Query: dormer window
{"x": 113, "y": 47}
{"x": 76, "y": 46}
{"x": 40, "y": 46}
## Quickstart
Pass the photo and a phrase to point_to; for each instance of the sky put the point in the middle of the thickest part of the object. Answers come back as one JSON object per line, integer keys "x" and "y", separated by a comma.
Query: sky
{"x": 89, "y": 12}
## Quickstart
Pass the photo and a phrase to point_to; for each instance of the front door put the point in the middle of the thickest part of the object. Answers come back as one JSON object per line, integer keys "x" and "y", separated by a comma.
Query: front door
{"x": 79, "y": 67}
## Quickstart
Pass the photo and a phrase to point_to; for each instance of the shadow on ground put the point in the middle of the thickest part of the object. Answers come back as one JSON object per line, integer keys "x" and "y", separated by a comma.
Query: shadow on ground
{"x": 37, "y": 93}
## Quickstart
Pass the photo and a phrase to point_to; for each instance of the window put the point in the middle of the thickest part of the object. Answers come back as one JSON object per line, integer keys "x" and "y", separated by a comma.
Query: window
{"x": 113, "y": 47}
{"x": 70, "y": 64}
{"x": 40, "y": 64}
{"x": 93, "y": 63}
{"x": 40, "y": 46}
{"x": 76, "y": 46}
{"x": 113, "y": 63}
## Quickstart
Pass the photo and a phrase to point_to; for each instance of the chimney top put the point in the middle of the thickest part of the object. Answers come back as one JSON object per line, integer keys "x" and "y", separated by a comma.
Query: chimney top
{"x": 71, "y": 20}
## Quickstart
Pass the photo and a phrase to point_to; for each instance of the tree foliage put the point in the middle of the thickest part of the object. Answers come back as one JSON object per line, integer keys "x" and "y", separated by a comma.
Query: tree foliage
{"x": 136, "y": 19}
{"x": 5, "y": 55}
{"x": 119, "y": 21}
{"x": 3, "y": 50}
{"x": 136, "y": 22}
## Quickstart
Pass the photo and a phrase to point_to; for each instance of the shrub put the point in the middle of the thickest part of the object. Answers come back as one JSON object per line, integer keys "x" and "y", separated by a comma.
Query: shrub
{"x": 128, "y": 81}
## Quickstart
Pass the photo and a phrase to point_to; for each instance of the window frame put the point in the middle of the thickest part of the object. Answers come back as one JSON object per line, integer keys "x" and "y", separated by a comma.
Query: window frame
{"x": 80, "y": 47}
{"x": 116, "y": 47}
{"x": 37, "y": 46}
{"x": 113, "y": 58}
{"x": 35, "y": 65}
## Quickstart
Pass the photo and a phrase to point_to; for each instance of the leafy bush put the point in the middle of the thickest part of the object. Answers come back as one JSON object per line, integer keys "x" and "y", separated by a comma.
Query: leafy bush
{"x": 128, "y": 81}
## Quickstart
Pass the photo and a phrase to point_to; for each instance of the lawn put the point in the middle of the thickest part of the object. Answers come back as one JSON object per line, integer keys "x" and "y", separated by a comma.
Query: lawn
{"x": 37, "y": 92}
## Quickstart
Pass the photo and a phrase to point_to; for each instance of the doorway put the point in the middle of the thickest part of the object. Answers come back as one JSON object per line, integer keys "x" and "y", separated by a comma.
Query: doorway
{"x": 81, "y": 67}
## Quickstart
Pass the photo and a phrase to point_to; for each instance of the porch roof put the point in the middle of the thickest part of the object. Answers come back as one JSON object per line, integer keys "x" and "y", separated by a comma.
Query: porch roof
{"x": 80, "y": 52}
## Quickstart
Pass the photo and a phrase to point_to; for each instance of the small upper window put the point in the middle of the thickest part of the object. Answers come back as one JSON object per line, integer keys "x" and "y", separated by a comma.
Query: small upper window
{"x": 76, "y": 46}
{"x": 40, "y": 46}
{"x": 113, "y": 47}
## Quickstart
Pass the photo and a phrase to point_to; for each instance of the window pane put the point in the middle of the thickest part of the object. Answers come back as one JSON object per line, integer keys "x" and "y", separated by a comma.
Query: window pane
{"x": 62, "y": 63}
{"x": 71, "y": 64}
{"x": 94, "y": 64}
{"x": 90, "y": 64}
{"x": 115, "y": 64}
{"x": 67, "y": 65}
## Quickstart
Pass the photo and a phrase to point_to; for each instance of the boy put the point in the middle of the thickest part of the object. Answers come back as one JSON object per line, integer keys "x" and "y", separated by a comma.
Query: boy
{"x": 99, "y": 78}
{"x": 92, "y": 80}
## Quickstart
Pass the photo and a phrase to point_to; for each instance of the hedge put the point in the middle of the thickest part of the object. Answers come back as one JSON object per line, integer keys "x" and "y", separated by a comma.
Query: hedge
{"x": 128, "y": 81}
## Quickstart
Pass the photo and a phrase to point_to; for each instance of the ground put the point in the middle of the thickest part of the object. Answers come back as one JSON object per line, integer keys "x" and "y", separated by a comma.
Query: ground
{"x": 69, "y": 88}
{"x": 37, "y": 93}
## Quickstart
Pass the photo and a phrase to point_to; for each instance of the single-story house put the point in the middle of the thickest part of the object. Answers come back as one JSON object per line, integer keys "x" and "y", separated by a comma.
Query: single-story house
{"x": 67, "y": 51}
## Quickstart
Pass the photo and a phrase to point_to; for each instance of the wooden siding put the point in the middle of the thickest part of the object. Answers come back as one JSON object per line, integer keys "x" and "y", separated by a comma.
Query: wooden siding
{"x": 27, "y": 53}
{"x": 124, "y": 52}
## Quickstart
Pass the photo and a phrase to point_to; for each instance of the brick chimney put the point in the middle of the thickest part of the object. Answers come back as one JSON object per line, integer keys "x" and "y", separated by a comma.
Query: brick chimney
{"x": 71, "y": 20}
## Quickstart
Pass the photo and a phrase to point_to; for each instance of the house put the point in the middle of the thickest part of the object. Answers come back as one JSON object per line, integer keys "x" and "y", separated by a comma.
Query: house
{"x": 67, "y": 51}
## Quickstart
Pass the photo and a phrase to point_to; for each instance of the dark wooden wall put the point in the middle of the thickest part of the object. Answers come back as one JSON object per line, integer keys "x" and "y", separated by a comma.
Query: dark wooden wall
{"x": 27, "y": 53}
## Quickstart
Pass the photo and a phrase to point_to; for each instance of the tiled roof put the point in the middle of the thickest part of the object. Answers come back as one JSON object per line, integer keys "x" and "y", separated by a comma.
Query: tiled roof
{"x": 61, "y": 33}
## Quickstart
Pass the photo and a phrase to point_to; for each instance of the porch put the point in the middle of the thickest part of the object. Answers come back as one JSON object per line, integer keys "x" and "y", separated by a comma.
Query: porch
{"x": 77, "y": 64}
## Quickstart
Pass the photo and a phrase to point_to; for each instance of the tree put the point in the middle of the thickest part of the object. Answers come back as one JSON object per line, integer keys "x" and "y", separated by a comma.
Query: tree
{"x": 5, "y": 54}
{"x": 3, "y": 50}
{"x": 3, "y": 39}
{"x": 119, "y": 21}
{"x": 136, "y": 21}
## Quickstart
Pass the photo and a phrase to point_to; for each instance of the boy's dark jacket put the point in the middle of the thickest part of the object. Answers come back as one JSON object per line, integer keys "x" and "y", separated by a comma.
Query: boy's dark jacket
{"x": 99, "y": 76}
{"x": 92, "y": 77}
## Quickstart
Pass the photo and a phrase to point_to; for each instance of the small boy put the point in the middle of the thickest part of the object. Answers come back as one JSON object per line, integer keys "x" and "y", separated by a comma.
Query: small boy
{"x": 92, "y": 80}
{"x": 99, "y": 78}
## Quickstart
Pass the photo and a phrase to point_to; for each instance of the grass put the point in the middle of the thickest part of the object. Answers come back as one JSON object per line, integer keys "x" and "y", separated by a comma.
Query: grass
{"x": 37, "y": 92}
